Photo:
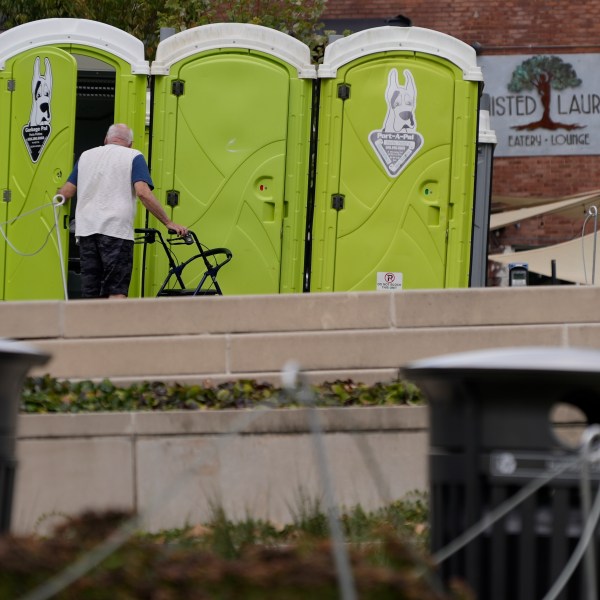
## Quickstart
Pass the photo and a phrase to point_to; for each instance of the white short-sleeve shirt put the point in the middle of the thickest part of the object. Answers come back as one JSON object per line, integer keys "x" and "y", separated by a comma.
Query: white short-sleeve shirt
{"x": 106, "y": 199}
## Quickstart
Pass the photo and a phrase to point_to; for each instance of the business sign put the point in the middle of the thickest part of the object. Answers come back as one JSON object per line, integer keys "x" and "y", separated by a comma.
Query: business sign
{"x": 544, "y": 104}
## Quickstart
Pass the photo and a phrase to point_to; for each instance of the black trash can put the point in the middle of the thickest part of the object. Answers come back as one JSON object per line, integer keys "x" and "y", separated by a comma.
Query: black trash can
{"x": 491, "y": 434}
{"x": 15, "y": 361}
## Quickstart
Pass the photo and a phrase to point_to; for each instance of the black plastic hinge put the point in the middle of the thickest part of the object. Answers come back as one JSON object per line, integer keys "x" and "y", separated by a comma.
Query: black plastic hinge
{"x": 173, "y": 198}
{"x": 343, "y": 91}
{"x": 11, "y": 85}
{"x": 6, "y": 196}
{"x": 177, "y": 87}
{"x": 337, "y": 201}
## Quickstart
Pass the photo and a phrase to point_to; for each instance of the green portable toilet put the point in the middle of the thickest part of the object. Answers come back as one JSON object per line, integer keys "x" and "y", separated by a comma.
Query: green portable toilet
{"x": 396, "y": 159}
{"x": 230, "y": 153}
{"x": 62, "y": 83}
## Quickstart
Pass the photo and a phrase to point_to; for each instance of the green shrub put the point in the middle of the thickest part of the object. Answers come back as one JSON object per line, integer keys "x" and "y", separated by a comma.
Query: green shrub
{"x": 257, "y": 562}
{"x": 49, "y": 395}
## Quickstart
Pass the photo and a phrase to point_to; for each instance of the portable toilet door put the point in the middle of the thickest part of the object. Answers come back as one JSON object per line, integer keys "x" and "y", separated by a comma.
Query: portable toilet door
{"x": 62, "y": 83}
{"x": 395, "y": 161}
{"x": 230, "y": 134}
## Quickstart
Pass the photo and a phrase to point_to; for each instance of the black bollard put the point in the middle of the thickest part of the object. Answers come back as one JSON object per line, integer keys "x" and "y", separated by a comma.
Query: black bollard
{"x": 15, "y": 361}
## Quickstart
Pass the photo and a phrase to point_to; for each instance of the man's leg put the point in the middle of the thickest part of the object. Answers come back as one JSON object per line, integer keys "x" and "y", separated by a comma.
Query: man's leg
{"x": 91, "y": 267}
{"x": 117, "y": 260}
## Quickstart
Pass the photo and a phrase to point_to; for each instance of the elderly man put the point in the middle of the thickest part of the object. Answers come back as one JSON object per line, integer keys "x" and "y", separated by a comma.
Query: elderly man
{"x": 107, "y": 180}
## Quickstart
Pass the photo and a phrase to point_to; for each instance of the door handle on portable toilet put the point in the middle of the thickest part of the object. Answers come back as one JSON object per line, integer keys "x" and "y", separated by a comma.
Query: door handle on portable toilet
{"x": 268, "y": 213}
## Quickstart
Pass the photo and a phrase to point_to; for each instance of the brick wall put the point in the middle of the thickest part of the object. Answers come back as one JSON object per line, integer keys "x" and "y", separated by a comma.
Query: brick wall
{"x": 501, "y": 24}
{"x": 512, "y": 27}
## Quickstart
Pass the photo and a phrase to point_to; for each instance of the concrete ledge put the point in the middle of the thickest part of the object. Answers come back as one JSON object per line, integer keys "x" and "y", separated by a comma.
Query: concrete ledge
{"x": 362, "y": 336}
{"x": 186, "y": 422}
{"x": 236, "y": 314}
{"x": 147, "y": 357}
{"x": 496, "y": 306}
{"x": 31, "y": 320}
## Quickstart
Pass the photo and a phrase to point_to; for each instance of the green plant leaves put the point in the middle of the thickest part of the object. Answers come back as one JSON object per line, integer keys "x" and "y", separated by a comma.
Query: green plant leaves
{"x": 46, "y": 394}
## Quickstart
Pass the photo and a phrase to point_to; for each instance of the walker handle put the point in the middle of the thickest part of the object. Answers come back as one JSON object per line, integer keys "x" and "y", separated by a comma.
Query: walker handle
{"x": 187, "y": 238}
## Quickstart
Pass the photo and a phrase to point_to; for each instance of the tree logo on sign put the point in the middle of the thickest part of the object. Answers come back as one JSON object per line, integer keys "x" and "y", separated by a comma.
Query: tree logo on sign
{"x": 544, "y": 73}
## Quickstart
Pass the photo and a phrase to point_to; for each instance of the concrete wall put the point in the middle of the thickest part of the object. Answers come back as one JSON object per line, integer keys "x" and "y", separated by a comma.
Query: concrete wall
{"x": 181, "y": 462}
{"x": 172, "y": 467}
{"x": 365, "y": 336}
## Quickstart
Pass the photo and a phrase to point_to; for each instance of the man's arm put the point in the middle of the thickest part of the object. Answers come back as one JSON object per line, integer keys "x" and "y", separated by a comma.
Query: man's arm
{"x": 148, "y": 199}
{"x": 67, "y": 190}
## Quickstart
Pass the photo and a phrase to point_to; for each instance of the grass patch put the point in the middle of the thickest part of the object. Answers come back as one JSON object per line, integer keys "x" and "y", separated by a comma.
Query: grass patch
{"x": 227, "y": 560}
{"x": 405, "y": 519}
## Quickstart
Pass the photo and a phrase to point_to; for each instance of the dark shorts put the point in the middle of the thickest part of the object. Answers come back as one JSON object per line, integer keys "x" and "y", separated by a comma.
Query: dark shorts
{"x": 106, "y": 265}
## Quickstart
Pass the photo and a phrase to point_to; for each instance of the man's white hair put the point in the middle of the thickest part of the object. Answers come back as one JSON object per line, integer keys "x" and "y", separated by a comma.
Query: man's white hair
{"x": 119, "y": 131}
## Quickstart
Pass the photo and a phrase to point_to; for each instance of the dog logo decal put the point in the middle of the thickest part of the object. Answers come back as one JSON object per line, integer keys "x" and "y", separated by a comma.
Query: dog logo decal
{"x": 37, "y": 131}
{"x": 397, "y": 143}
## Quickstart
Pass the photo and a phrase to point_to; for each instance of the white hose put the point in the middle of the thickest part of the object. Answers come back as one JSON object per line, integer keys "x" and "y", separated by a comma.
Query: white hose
{"x": 57, "y": 202}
